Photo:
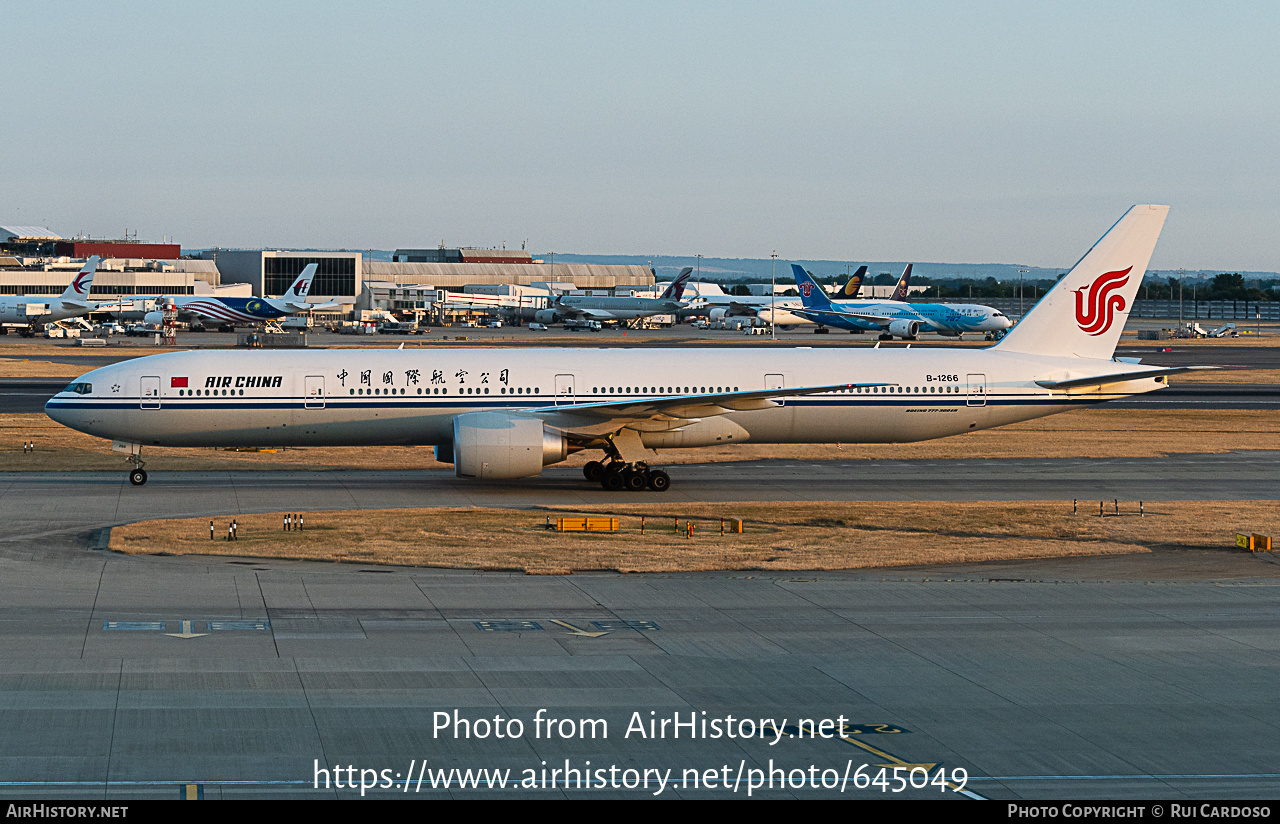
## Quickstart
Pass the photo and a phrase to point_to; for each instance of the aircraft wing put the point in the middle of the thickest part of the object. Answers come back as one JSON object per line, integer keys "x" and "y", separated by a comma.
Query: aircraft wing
{"x": 736, "y": 309}
{"x": 820, "y": 314}
{"x": 305, "y": 307}
{"x": 580, "y": 313}
{"x": 602, "y": 418}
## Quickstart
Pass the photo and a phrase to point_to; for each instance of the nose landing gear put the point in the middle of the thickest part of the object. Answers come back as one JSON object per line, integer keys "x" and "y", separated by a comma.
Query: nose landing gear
{"x": 138, "y": 475}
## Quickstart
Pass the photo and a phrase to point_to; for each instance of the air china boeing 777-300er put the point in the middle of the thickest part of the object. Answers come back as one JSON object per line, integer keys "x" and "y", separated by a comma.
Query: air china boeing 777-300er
{"x": 503, "y": 413}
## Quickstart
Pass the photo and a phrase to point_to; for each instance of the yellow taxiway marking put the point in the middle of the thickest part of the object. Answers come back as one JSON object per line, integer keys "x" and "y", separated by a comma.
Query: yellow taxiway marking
{"x": 575, "y": 631}
{"x": 894, "y": 761}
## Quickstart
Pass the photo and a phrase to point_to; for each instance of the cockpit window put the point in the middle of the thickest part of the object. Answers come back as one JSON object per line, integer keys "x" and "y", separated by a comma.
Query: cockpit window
{"x": 80, "y": 388}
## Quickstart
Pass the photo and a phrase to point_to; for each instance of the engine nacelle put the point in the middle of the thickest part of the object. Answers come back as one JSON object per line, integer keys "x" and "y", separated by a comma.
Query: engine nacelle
{"x": 153, "y": 318}
{"x": 544, "y": 316}
{"x": 904, "y": 328}
{"x": 717, "y": 314}
{"x": 498, "y": 445}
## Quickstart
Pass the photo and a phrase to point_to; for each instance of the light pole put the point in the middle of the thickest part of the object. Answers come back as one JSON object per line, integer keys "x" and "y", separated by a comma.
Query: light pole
{"x": 773, "y": 295}
{"x": 1181, "y": 275}
{"x": 1021, "y": 272}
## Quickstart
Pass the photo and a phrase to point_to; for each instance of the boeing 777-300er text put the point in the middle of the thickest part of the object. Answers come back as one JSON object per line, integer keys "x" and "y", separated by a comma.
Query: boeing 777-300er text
{"x": 506, "y": 413}
{"x": 892, "y": 318}
{"x": 73, "y": 302}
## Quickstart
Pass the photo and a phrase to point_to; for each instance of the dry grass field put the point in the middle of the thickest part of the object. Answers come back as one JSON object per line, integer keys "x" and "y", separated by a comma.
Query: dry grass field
{"x": 809, "y": 536}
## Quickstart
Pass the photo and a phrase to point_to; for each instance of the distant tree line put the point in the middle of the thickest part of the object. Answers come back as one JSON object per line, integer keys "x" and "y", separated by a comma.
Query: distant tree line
{"x": 1225, "y": 286}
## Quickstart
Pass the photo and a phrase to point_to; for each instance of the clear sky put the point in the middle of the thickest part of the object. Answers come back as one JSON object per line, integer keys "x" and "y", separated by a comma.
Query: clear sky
{"x": 958, "y": 132}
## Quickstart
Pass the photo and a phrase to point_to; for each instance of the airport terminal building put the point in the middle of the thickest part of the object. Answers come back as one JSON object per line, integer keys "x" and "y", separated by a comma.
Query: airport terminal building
{"x": 36, "y": 261}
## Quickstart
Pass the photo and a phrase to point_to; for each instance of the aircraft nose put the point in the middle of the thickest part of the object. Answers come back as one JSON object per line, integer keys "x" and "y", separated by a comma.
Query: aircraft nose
{"x": 54, "y": 411}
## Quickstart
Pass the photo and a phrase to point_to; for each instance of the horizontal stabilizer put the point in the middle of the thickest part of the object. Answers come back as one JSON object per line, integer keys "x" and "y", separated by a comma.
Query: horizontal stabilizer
{"x": 1119, "y": 377}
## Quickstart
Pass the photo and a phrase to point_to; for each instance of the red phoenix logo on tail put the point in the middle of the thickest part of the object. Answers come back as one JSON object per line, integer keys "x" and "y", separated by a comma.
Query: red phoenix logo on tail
{"x": 1096, "y": 310}
{"x": 78, "y": 286}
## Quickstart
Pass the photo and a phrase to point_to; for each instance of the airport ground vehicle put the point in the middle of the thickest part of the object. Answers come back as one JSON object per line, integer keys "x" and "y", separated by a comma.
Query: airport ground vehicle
{"x": 504, "y": 413}
{"x": 582, "y": 326}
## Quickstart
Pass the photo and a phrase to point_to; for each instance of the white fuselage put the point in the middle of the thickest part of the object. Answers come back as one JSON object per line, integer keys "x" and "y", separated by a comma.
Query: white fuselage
{"x": 383, "y": 396}
{"x": 14, "y": 309}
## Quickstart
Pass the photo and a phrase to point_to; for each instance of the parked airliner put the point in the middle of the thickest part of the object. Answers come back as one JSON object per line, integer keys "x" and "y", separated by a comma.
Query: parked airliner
{"x": 246, "y": 310}
{"x": 73, "y": 302}
{"x": 892, "y": 318}
{"x": 610, "y": 309}
{"x": 507, "y": 413}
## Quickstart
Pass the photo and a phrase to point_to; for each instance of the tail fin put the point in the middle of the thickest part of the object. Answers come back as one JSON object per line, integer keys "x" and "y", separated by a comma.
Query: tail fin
{"x": 904, "y": 282}
{"x": 812, "y": 295}
{"x": 676, "y": 289}
{"x": 851, "y": 289}
{"x": 78, "y": 291}
{"x": 302, "y": 286}
{"x": 1085, "y": 312}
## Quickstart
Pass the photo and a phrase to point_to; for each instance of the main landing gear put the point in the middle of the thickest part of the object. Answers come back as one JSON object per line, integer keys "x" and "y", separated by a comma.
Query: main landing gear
{"x": 615, "y": 476}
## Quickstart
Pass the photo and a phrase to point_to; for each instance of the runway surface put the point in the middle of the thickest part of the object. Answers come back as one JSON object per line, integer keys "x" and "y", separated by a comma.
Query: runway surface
{"x": 35, "y": 500}
{"x": 1131, "y": 677}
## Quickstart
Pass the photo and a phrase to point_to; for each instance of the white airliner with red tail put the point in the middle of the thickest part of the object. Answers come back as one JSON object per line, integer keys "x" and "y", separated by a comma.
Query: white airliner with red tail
{"x": 72, "y": 303}
{"x": 507, "y": 413}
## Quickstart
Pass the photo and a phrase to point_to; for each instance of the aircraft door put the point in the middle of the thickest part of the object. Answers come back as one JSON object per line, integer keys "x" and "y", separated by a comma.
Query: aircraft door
{"x": 149, "y": 398}
{"x": 776, "y": 382}
{"x": 977, "y": 394}
{"x": 564, "y": 390}
{"x": 314, "y": 398}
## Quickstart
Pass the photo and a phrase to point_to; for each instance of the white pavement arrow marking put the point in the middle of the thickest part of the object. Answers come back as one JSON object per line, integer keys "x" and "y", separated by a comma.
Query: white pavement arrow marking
{"x": 582, "y": 632}
{"x": 186, "y": 631}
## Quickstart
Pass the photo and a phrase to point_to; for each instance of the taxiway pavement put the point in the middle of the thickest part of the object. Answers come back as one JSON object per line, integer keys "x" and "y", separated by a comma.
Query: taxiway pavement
{"x": 1137, "y": 677}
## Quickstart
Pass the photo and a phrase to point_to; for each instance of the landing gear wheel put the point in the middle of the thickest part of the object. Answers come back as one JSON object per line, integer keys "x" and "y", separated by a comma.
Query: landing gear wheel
{"x": 593, "y": 471}
{"x": 138, "y": 477}
{"x": 659, "y": 481}
{"x": 634, "y": 479}
{"x": 885, "y": 337}
{"x": 612, "y": 480}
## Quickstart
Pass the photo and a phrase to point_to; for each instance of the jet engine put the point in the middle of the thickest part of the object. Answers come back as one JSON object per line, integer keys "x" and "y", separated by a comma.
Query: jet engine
{"x": 904, "y": 328}
{"x": 717, "y": 314}
{"x": 500, "y": 445}
{"x": 544, "y": 316}
{"x": 153, "y": 318}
